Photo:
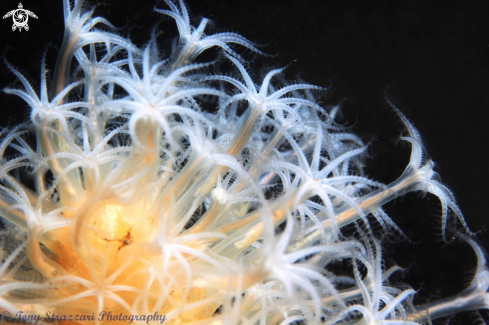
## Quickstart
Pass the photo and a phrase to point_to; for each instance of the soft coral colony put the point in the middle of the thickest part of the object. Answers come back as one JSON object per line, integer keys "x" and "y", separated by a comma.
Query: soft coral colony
{"x": 143, "y": 201}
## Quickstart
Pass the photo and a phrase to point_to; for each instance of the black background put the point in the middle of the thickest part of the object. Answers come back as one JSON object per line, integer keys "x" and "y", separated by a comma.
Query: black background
{"x": 435, "y": 54}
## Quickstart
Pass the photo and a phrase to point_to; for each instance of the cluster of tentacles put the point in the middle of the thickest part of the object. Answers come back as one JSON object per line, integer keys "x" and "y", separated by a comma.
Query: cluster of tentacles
{"x": 156, "y": 185}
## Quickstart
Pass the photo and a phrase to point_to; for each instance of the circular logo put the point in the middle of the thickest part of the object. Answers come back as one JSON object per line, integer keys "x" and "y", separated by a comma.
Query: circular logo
{"x": 6, "y": 316}
{"x": 20, "y": 18}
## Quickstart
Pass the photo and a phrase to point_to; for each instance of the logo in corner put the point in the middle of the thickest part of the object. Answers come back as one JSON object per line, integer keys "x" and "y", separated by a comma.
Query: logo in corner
{"x": 20, "y": 17}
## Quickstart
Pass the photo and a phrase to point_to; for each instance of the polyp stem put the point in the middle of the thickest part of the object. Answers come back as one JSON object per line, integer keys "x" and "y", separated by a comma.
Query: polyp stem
{"x": 410, "y": 181}
{"x": 468, "y": 300}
